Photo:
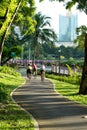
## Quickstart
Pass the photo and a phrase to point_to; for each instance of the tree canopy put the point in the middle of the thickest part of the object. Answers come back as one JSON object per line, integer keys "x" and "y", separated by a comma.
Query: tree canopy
{"x": 8, "y": 10}
{"x": 81, "y": 4}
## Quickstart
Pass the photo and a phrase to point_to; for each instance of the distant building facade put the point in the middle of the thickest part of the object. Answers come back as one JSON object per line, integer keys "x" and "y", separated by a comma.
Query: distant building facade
{"x": 67, "y": 28}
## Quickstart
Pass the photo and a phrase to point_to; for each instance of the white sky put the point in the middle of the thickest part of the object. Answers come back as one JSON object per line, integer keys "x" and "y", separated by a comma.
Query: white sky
{"x": 53, "y": 9}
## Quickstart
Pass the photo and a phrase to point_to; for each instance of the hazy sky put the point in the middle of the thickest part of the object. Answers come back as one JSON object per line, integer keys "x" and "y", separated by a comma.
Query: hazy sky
{"x": 53, "y": 9}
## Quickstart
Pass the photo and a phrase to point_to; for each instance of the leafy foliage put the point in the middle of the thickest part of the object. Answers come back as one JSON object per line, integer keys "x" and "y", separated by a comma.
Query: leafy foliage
{"x": 81, "y": 32}
{"x": 26, "y": 10}
{"x": 24, "y": 18}
{"x": 43, "y": 34}
{"x": 81, "y": 4}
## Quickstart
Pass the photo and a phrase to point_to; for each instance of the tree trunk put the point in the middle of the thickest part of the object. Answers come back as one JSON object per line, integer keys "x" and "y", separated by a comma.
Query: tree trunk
{"x": 1, "y": 45}
{"x": 83, "y": 84}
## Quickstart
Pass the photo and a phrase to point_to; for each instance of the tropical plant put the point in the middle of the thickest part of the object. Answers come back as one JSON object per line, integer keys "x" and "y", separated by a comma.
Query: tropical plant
{"x": 43, "y": 34}
{"x": 69, "y": 70}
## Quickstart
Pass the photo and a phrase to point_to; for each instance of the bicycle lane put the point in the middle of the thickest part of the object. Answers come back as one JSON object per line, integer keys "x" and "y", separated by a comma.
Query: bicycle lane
{"x": 51, "y": 110}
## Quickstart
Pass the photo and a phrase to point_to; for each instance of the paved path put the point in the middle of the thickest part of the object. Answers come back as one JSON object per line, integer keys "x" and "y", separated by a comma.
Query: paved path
{"x": 51, "y": 110}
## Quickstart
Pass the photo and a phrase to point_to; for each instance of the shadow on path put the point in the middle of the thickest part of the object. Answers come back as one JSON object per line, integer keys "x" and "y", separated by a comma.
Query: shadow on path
{"x": 51, "y": 110}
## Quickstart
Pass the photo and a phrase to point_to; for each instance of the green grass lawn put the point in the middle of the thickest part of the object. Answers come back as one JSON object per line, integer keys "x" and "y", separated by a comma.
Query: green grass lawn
{"x": 11, "y": 116}
{"x": 68, "y": 90}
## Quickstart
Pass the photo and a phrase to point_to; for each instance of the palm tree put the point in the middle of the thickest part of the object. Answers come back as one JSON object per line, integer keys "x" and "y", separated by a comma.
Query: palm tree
{"x": 43, "y": 34}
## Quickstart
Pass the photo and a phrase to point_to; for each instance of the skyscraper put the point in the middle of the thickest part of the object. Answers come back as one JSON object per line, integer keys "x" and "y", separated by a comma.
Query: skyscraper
{"x": 67, "y": 27}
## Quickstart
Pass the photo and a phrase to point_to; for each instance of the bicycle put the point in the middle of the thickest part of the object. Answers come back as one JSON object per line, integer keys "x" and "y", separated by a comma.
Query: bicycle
{"x": 29, "y": 75}
{"x": 42, "y": 75}
{"x": 29, "y": 71}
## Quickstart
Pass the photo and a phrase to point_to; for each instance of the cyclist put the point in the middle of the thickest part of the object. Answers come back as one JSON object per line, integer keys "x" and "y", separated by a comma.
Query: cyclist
{"x": 29, "y": 71}
{"x": 34, "y": 68}
{"x": 42, "y": 70}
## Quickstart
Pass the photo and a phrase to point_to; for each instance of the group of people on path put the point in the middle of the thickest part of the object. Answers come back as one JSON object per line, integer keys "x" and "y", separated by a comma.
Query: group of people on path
{"x": 32, "y": 69}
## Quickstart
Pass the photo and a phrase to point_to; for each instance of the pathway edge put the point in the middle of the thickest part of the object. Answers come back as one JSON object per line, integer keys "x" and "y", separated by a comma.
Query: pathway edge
{"x": 36, "y": 126}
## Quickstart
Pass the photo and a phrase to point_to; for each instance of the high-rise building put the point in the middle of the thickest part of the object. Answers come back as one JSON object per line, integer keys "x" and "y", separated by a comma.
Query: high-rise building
{"x": 67, "y": 27}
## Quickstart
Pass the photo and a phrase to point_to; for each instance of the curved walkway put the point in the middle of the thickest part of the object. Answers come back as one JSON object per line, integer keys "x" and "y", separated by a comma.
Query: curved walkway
{"x": 51, "y": 110}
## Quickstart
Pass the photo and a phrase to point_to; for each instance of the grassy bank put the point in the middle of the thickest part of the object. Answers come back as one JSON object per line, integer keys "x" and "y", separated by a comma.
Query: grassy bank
{"x": 11, "y": 116}
{"x": 68, "y": 87}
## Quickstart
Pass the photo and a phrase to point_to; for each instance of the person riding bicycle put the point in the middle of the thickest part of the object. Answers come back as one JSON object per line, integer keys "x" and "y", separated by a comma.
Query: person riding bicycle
{"x": 42, "y": 70}
{"x": 34, "y": 69}
{"x": 29, "y": 71}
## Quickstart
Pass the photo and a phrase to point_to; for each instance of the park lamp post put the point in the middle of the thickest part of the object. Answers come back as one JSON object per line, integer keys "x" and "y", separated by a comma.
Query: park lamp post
{"x": 28, "y": 44}
{"x": 59, "y": 60}
{"x": 29, "y": 52}
{"x": 22, "y": 54}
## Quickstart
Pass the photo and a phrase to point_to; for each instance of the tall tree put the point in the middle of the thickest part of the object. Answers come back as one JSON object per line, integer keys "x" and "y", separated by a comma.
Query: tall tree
{"x": 43, "y": 34}
{"x": 82, "y": 42}
{"x": 8, "y": 11}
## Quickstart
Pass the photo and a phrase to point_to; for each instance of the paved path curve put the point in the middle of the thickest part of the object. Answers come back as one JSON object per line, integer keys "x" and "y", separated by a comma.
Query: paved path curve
{"x": 51, "y": 110}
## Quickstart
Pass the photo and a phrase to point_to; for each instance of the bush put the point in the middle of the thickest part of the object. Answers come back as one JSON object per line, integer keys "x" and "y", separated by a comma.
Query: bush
{"x": 9, "y": 70}
{"x": 3, "y": 93}
{"x": 70, "y": 79}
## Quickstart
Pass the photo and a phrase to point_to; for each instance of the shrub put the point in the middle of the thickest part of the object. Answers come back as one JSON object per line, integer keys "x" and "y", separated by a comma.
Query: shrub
{"x": 3, "y": 93}
{"x": 70, "y": 79}
{"x": 8, "y": 70}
